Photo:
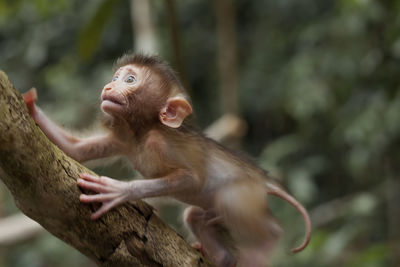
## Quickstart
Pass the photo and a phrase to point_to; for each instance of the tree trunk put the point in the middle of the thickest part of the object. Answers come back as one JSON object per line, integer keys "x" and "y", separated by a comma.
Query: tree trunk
{"x": 143, "y": 27}
{"x": 227, "y": 56}
{"x": 42, "y": 180}
{"x": 177, "y": 50}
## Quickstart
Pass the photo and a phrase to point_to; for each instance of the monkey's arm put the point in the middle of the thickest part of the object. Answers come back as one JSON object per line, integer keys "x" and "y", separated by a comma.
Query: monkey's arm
{"x": 111, "y": 192}
{"x": 77, "y": 148}
{"x": 80, "y": 149}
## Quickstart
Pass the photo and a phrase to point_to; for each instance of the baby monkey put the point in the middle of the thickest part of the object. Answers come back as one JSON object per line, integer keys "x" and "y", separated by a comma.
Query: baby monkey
{"x": 145, "y": 107}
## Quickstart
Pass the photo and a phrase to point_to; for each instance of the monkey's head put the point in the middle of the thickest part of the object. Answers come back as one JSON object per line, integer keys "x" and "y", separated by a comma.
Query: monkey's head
{"x": 144, "y": 90}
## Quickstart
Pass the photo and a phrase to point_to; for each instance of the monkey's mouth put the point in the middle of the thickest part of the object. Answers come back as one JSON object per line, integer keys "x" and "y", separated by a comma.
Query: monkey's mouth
{"x": 112, "y": 103}
{"x": 113, "y": 100}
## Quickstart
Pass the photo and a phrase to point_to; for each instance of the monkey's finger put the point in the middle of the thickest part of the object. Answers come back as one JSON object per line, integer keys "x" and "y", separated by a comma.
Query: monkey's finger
{"x": 89, "y": 177}
{"x": 31, "y": 96}
{"x": 100, "y": 180}
{"x": 106, "y": 207}
{"x": 96, "y": 179}
{"x": 93, "y": 186}
{"x": 97, "y": 198}
{"x": 214, "y": 220}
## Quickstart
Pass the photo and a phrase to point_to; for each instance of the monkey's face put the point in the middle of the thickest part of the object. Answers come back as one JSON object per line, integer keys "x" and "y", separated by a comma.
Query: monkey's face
{"x": 115, "y": 94}
{"x": 141, "y": 96}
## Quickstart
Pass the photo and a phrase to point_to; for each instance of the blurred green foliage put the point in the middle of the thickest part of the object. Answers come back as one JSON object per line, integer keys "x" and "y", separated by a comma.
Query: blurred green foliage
{"x": 319, "y": 88}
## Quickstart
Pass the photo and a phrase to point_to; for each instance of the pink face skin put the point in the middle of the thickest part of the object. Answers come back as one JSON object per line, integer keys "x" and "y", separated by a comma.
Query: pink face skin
{"x": 114, "y": 95}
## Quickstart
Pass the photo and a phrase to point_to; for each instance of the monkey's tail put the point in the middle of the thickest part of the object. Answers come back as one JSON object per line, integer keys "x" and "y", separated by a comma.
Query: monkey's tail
{"x": 277, "y": 191}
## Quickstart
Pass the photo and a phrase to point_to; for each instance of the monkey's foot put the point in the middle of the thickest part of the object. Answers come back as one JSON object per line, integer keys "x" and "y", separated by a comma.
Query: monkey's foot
{"x": 223, "y": 259}
{"x": 220, "y": 259}
{"x": 199, "y": 247}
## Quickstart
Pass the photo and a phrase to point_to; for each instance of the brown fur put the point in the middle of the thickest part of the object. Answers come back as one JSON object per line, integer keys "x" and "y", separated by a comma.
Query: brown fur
{"x": 147, "y": 110}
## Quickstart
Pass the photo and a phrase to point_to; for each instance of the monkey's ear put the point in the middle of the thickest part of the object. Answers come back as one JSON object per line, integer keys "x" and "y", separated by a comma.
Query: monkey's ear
{"x": 175, "y": 111}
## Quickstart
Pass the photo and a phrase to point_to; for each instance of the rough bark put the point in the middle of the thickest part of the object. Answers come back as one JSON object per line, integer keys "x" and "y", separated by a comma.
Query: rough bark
{"x": 42, "y": 180}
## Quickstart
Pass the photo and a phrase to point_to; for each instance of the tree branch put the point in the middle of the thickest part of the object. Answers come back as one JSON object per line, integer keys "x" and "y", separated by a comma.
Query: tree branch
{"x": 42, "y": 180}
{"x": 17, "y": 228}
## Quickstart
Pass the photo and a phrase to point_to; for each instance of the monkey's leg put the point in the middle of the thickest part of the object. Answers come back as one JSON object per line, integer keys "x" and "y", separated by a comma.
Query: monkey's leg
{"x": 244, "y": 210}
{"x": 255, "y": 238}
{"x": 255, "y": 255}
{"x": 207, "y": 234}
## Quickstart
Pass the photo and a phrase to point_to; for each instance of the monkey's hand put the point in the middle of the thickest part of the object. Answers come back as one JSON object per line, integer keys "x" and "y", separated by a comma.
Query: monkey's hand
{"x": 110, "y": 192}
{"x": 30, "y": 97}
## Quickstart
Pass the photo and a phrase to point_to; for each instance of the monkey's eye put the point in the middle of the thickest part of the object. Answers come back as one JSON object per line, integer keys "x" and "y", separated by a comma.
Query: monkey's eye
{"x": 114, "y": 78}
{"x": 130, "y": 79}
